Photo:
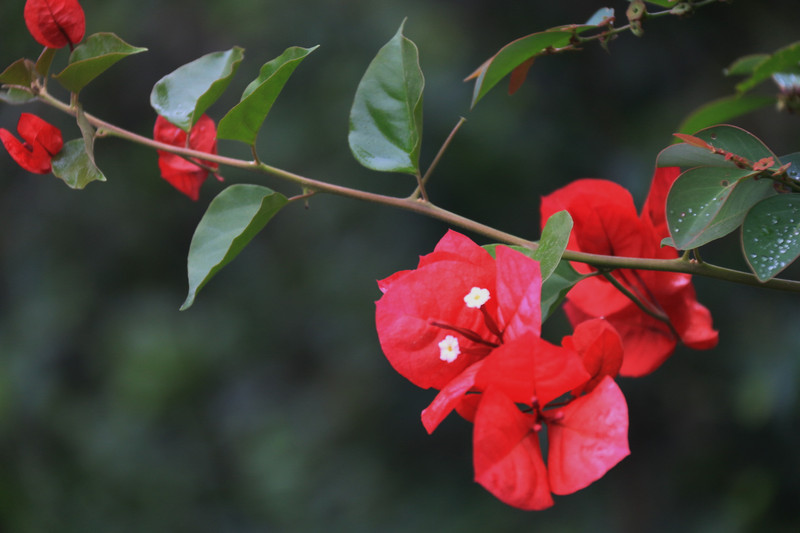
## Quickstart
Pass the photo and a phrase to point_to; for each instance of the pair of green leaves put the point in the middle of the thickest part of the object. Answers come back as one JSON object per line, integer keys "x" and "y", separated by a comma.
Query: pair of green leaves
{"x": 185, "y": 94}
{"x": 240, "y": 211}
{"x": 728, "y": 185}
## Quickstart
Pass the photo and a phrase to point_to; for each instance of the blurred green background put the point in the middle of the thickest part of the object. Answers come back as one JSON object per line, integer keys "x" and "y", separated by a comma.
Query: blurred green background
{"x": 268, "y": 406}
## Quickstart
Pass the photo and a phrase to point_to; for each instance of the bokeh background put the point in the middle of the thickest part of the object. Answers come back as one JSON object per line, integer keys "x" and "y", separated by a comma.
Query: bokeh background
{"x": 268, "y": 405}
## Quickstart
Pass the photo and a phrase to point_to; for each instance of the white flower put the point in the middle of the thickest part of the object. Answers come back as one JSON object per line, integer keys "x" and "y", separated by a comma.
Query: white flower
{"x": 476, "y": 297}
{"x": 448, "y": 349}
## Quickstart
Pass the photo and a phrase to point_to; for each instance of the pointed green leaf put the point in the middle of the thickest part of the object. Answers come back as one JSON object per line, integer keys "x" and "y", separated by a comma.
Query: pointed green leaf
{"x": 74, "y": 166}
{"x": 706, "y": 203}
{"x": 745, "y": 65}
{"x": 183, "y": 96}
{"x": 386, "y": 117}
{"x": 555, "y": 237}
{"x": 723, "y": 110}
{"x": 771, "y": 235}
{"x": 233, "y": 218}
{"x": 243, "y": 121}
{"x": 511, "y": 56}
{"x": 87, "y": 132}
{"x": 93, "y": 57}
{"x": 20, "y": 72}
{"x": 784, "y": 59}
{"x": 45, "y": 60}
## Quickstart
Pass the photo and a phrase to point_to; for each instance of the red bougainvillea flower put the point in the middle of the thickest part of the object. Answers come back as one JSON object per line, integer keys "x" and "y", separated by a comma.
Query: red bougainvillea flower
{"x": 181, "y": 173}
{"x": 41, "y": 139}
{"x": 606, "y": 222}
{"x": 469, "y": 325}
{"x": 55, "y": 23}
{"x": 455, "y": 308}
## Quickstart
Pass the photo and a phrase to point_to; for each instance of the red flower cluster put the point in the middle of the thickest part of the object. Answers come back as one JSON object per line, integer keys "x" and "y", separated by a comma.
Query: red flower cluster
{"x": 469, "y": 325}
{"x": 181, "y": 173}
{"x": 55, "y": 23}
{"x": 606, "y": 222}
{"x": 41, "y": 139}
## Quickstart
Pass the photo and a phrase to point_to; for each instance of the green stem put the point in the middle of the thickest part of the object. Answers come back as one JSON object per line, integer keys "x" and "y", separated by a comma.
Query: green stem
{"x": 428, "y": 209}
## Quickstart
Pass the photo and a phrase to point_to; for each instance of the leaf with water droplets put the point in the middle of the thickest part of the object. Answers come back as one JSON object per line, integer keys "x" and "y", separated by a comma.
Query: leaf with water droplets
{"x": 706, "y": 203}
{"x": 771, "y": 235}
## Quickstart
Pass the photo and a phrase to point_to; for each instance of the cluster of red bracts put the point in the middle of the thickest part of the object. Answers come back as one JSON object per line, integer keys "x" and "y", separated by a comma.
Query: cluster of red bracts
{"x": 468, "y": 324}
{"x": 60, "y": 23}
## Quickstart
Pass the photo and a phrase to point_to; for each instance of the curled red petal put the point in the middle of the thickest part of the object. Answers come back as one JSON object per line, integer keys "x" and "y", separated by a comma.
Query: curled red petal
{"x": 449, "y": 397}
{"x": 506, "y": 454}
{"x": 181, "y": 173}
{"x": 35, "y": 130}
{"x": 42, "y": 142}
{"x": 589, "y": 438}
{"x": 33, "y": 159}
{"x": 600, "y": 348}
{"x": 55, "y": 23}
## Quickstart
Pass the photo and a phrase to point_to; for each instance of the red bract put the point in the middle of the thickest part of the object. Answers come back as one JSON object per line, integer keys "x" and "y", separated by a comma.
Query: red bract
{"x": 181, "y": 173}
{"x": 606, "y": 222}
{"x": 469, "y": 325}
{"x": 55, "y": 23}
{"x": 587, "y": 437}
{"x": 42, "y": 142}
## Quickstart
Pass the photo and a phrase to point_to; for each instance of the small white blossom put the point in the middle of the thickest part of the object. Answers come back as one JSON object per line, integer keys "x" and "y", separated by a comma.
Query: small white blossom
{"x": 448, "y": 349}
{"x": 476, "y": 297}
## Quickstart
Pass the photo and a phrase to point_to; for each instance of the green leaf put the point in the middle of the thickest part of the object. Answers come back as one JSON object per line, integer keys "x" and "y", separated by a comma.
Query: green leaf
{"x": 183, "y": 96}
{"x": 233, "y": 218}
{"x": 728, "y": 138}
{"x": 386, "y": 117}
{"x": 15, "y": 96}
{"x": 706, "y": 203}
{"x": 511, "y": 56}
{"x": 555, "y": 237}
{"x": 243, "y": 122}
{"x": 45, "y": 60}
{"x": 93, "y": 57}
{"x": 771, "y": 235}
{"x": 73, "y": 165}
{"x": 745, "y": 65}
{"x": 556, "y": 287}
{"x": 87, "y": 132}
{"x": 20, "y": 72}
{"x": 784, "y": 59}
{"x": 723, "y": 110}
